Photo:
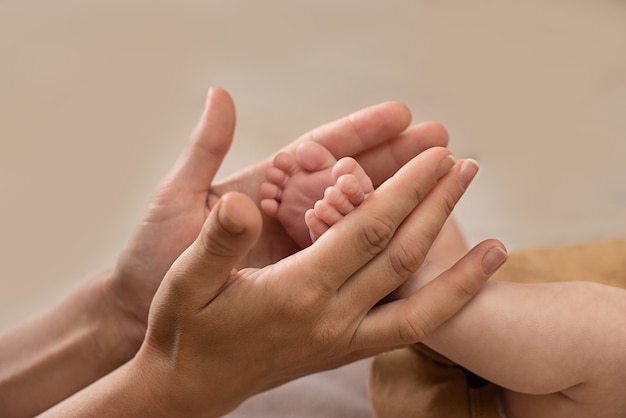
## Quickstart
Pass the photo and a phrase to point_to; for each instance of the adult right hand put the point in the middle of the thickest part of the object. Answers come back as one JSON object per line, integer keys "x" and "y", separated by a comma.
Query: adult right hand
{"x": 217, "y": 336}
{"x": 187, "y": 195}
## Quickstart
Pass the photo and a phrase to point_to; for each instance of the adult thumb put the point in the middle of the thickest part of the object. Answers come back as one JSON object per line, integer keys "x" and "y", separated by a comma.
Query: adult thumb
{"x": 230, "y": 231}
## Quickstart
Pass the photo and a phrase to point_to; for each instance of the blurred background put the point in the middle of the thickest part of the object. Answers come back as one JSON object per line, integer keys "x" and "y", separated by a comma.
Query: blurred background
{"x": 97, "y": 99}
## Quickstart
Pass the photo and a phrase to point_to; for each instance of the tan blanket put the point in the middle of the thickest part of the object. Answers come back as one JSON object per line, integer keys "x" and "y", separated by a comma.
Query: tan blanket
{"x": 417, "y": 382}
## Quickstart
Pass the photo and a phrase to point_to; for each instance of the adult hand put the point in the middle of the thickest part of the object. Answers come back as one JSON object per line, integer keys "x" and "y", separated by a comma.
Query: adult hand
{"x": 186, "y": 196}
{"x": 217, "y": 336}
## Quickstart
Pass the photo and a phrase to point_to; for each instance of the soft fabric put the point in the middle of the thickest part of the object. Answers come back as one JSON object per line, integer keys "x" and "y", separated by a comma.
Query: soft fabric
{"x": 417, "y": 382}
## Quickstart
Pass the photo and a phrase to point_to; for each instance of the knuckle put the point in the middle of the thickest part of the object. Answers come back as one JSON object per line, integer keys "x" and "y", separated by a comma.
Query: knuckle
{"x": 416, "y": 327}
{"x": 300, "y": 307}
{"x": 304, "y": 305}
{"x": 214, "y": 246}
{"x": 448, "y": 201}
{"x": 405, "y": 261}
{"x": 466, "y": 286}
{"x": 376, "y": 235}
{"x": 420, "y": 195}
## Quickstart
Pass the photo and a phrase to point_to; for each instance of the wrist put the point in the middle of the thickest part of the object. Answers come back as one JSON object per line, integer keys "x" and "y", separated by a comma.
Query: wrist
{"x": 64, "y": 349}
{"x": 123, "y": 329}
{"x": 174, "y": 391}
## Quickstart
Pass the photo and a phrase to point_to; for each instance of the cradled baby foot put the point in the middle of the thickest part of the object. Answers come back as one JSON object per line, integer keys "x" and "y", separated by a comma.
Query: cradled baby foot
{"x": 293, "y": 184}
{"x": 352, "y": 186}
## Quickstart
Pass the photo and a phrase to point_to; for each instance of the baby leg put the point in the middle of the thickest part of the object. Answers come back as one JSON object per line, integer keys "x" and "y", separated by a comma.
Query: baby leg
{"x": 556, "y": 348}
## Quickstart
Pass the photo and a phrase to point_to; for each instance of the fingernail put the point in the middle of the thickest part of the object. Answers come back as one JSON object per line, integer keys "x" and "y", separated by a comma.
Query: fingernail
{"x": 494, "y": 258}
{"x": 445, "y": 165}
{"x": 227, "y": 221}
{"x": 468, "y": 172}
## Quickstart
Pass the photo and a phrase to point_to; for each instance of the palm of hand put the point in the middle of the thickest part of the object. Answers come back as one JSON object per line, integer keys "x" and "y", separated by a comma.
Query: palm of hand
{"x": 172, "y": 223}
{"x": 174, "y": 219}
{"x": 182, "y": 204}
{"x": 274, "y": 243}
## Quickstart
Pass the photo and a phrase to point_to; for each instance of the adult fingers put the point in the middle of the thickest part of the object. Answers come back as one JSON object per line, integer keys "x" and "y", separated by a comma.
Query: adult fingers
{"x": 379, "y": 137}
{"x": 364, "y": 233}
{"x": 229, "y": 232}
{"x": 410, "y": 244}
{"x": 410, "y": 320}
{"x": 208, "y": 144}
{"x": 360, "y": 130}
{"x": 383, "y": 160}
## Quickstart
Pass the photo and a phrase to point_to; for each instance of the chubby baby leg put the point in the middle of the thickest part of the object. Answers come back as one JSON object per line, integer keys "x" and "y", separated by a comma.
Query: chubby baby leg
{"x": 557, "y": 349}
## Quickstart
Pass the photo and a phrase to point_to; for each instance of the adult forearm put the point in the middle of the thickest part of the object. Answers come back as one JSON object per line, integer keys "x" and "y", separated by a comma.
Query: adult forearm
{"x": 135, "y": 390}
{"x": 115, "y": 395}
{"x": 52, "y": 355}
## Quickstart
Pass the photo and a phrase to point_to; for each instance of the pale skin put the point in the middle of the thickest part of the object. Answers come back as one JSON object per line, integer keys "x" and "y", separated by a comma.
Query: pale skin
{"x": 187, "y": 323}
{"x": 556, "y": 349}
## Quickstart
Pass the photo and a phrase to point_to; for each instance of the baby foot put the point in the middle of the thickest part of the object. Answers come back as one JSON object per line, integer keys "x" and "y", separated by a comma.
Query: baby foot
{"x": 351, "y": 188}
{"x": 294, "y": 183}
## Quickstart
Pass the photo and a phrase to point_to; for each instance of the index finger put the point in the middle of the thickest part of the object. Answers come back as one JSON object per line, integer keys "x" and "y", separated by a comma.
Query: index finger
{"x": 361, "y": 130}
{"x": 359, "y": 237}
{"x": 379, "y": 137}
{"x": 384, "y": 159}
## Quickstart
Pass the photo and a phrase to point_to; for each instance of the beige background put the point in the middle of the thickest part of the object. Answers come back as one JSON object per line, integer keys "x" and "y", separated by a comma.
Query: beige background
{"x": 97, "y": 99}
